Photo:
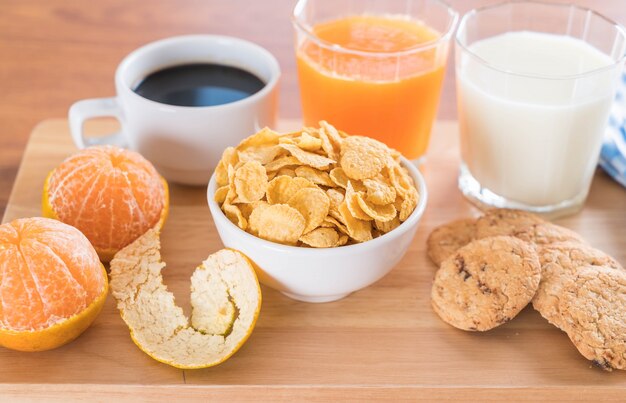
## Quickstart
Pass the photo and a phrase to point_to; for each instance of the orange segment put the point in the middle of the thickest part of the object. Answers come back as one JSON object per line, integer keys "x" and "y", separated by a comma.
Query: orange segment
{"x": 52, "y": 284}
{"x": 18, "y": 294}
{"x": 110, "y": 194}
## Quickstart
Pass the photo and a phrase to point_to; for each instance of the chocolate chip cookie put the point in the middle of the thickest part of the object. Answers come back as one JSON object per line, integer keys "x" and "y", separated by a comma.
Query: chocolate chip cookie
{"x": 547, "y": 233}
{"x": 486, "y": 283}
{"x": 523, "y": 225}
{"x": 502, "y": 221}
{"x": 446, "y": 239}
{"x": 560, "y": 264}
{"x": 593, "y": 305}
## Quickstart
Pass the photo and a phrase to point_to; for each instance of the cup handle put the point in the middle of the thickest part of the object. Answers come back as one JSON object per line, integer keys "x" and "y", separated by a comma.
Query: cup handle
{"x": 86, "y": 109}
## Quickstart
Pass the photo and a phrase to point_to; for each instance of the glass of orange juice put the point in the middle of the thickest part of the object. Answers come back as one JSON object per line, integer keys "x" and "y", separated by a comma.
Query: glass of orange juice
{"x": 374, "y": 68}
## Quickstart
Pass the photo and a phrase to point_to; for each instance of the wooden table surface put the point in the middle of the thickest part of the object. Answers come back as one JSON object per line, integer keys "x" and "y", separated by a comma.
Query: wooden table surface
{"x": 53, "y": 53}
{"x": 382, "y": 342}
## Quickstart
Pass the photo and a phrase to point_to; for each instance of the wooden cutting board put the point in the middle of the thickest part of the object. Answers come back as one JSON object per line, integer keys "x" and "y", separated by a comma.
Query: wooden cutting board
{"x": 381, "y": 342}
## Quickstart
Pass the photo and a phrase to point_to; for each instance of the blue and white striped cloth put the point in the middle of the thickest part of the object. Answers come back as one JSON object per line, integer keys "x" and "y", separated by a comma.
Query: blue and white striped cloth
{"x": 613, "y": 154}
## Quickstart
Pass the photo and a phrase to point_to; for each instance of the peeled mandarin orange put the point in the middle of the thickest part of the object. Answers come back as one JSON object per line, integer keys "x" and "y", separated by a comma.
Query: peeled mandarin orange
{"x": 225, "y": 301}
{"x": 52, "y": 284}
{"x": 110, "y": 194}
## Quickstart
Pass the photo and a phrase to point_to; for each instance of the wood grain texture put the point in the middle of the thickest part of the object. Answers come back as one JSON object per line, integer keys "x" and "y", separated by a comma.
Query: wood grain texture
{"x": 381, "y": 342}
{"x": 53, "y": 53}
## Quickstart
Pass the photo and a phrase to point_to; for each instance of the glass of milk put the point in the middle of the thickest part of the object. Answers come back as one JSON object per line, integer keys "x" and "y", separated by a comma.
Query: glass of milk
{"x": 535, "y": 83}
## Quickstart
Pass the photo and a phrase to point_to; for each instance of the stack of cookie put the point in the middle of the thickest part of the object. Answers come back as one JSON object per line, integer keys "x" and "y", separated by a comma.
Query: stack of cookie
{"x": 490, "y": 268}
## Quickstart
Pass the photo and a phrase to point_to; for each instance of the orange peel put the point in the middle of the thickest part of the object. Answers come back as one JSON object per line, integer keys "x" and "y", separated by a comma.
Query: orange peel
{"x": 225, "y": 300}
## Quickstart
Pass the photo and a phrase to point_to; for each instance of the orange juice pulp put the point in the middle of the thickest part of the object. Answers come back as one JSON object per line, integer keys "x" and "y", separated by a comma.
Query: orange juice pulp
{"x": 390, "y": 97}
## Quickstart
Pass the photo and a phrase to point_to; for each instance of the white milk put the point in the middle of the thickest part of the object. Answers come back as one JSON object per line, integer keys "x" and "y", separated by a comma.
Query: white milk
{"x": 533, "y": 140}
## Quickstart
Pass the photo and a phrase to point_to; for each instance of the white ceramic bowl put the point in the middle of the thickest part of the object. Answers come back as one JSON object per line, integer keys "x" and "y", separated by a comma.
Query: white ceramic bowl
{"x": 322, "y": 275}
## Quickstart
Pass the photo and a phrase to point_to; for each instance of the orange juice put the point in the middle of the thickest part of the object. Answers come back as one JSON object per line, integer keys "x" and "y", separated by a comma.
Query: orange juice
{"x": 384, "y": 83}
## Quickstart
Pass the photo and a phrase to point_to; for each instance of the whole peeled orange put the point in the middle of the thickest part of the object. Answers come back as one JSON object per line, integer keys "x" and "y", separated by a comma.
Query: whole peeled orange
{"x": 52, "y": 284}
{"x": 110, "y": 194}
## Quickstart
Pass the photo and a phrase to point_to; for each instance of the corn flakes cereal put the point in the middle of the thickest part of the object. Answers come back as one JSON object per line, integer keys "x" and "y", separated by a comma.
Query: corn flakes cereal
{"x": 307, "y": 142}
{"x": 313, "y": 204}
{"x": 286, "y": 171}
{"x": 221, "y": 193}
{"x": 282, "y": 188}
{"x": 379, "y": 191}
{"x": 247, "y": 208}
{"x": 352, "y": 202}
{"x": 254, "y": 218}
{"x": 400, "y": 179}
{"x": 265, "y": 137}
{"x": 316, "y": 187}
{"x": 233, "y": 213}
{"x": 343, "y": 239}
{"x": 340, "y": 178}
{"x": 333, "y": 134}
{"x": 229, "y": 158}
{"x": 363, "y": 157}
{"x": 308, "y": 158}
{"x": 387, "y": 226}
{"x": 315, "y": 176}
{"x": 334, "y": 222}
{"x": 281, "y": 163}
{"x": 408, "y": 205}
{"x": 278, "y": 223}
{"x": 358, "y": 230}
{"x": 262, "y": 154}
{"x": 250, "y": 182}
{"x": 321, "y": 238}
{"x": 376, "y": 212}
{"x": 336, "y": 197}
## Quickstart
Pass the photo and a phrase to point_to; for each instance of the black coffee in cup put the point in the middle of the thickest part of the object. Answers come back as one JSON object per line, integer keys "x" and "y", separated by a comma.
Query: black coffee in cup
{"x": 201, "y": 84}
{"x": 181, "y": 102}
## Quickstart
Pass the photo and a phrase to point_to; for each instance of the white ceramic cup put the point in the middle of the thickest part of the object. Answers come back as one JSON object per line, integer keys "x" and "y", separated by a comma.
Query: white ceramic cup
{"x": 183, "y": 142}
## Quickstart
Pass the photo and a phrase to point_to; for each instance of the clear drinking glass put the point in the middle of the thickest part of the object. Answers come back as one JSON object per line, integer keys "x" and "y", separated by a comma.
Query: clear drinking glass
{"x": 384, "y": 86}
{"x": 535, "y": 83}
